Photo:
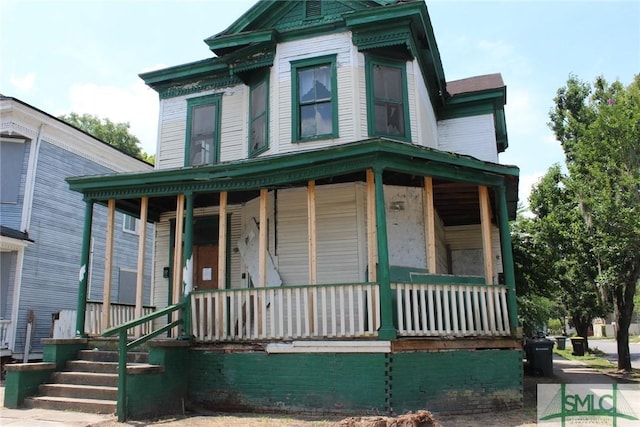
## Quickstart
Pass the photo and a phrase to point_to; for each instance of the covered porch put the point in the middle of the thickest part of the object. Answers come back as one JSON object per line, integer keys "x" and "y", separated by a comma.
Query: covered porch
{"x": 389, "y": 301}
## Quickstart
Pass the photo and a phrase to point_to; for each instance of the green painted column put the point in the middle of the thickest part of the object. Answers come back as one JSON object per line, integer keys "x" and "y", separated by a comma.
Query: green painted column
{"x": 84, "y": 269}
{"x": 187, "y": 269}
{"x": 387, "y": 330}
{"x": 507, "y": 257}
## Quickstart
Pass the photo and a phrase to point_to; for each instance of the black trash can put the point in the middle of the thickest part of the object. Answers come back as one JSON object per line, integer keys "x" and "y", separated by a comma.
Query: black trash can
{"x": 578, "y": 346}
{"x": 561, "y": 341}
{"x": 539, "y": 353}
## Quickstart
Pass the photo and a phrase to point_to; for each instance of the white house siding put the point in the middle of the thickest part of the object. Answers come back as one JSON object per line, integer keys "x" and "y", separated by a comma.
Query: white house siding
{"x": 473, "y": 136}
{"x": 172, "y": 133}
{"x": 337, "y": 231}
{"x": 411, "y": 97}
{"x": 427, "y": 130}
{"x": 465, "y": 244}
{"x": 405, "y": 226}
{"x": 233, "y": 130}
{"x": 339, "y": 44}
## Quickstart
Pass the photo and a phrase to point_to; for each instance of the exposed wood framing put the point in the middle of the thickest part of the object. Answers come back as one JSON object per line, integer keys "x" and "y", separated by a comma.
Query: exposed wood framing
{"x": 222, "y": 242}
{"x": 311, "y": 230}
{"x": 372, "y": 239}
{"x": 177, "y": 253}
{"x": 142, "y": 245}
{"x": 457, "y": 344}
{"x": 485, "y": 224}
{"x": 108, "y": 260}
{"x": 429, "y": 225}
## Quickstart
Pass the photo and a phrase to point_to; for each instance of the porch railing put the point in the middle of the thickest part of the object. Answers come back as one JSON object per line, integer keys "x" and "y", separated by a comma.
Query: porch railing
{"x": 451, "y": 309}
{"x": 292, "y": 312}
{"x": 118, "y": 315}
{"x": 5, "y": 331}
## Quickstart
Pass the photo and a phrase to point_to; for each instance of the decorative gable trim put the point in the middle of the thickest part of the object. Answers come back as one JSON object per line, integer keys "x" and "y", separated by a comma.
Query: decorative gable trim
{"x": 396, "y": 35}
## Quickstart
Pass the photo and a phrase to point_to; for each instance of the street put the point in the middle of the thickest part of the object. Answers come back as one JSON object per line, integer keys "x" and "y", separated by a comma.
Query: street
{"x": 610, "y": 347}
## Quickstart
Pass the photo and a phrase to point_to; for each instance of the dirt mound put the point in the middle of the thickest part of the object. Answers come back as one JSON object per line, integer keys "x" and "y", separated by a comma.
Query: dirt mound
{"x": 419, "y": 419}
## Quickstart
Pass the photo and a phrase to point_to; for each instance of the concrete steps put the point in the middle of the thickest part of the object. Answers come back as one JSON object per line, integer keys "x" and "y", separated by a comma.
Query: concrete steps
{"x": 88, "y": 384}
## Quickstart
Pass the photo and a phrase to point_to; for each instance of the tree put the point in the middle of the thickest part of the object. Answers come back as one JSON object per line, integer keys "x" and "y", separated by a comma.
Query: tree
{"x": 554, "y": 266}
{"x": 116, "y": 134}
{"x": 599, "y": 129}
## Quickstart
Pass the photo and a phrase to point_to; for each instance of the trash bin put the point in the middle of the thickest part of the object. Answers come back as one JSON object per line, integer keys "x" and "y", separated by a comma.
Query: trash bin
{"x": 578, "y": 346}
{"x": 539, "y": 353}
{"x": 561, "y": 341}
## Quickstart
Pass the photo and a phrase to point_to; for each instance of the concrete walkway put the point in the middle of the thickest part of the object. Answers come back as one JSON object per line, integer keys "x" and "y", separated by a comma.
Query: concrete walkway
{"x": 575, "y": 372}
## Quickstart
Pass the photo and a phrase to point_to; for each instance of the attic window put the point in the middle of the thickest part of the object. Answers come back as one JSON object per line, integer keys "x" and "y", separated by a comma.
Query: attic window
{"x": 313, "y": 8}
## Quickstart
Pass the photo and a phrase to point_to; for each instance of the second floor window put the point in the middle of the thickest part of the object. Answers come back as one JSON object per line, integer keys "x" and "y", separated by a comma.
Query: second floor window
{"x": 387, "y": 100}
{"x": 203, "y": 131}
{"x": 258, "y": 117}
{"x": 315, "y": 109}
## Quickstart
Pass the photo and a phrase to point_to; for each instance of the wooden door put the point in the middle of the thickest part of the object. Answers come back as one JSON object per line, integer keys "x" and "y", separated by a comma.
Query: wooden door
{"x": 205, "y": 267}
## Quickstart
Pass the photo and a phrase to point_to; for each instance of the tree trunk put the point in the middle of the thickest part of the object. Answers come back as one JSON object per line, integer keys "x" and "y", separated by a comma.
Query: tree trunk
{"x": 624, "y": 311}
{"x": 582, "y": 328}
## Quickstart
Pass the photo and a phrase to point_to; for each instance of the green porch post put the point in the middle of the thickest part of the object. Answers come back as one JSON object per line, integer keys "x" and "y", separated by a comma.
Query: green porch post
{"x": 387, "y": 330}
{"x": 187, "y": 270}
{"x": 507, "y": 257}
{"x": 84, "y": 269}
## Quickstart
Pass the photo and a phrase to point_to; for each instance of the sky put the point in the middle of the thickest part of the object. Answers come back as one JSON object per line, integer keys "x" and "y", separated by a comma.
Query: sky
{"x": 84, "y": 56}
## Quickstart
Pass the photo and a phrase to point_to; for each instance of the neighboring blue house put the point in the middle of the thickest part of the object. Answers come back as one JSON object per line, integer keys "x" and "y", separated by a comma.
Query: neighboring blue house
{"x": 41, "y": 231}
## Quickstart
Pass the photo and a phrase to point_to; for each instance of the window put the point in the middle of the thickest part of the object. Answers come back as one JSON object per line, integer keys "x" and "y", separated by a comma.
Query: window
{"x": 258, "y": 117}
{"x": 315, "y": 109}
{"x": 130, "y": 224}
{"x": 11, "y": 162}
{"x": 387, "y": 101}
{"x": 203, "y": 131}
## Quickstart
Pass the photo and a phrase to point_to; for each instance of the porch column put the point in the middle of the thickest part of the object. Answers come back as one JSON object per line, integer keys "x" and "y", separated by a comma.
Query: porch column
{"x": 372, "y": 238}
{"x": 485, "y": 225}
{"x": 311, "y": 231}
{"x": 387, "y": 331}
{"x": 177, "y": 254}
{"x": 262, "y": 245}
{"x": 142, "y": 245}
{"x": 507, "y": 257}
{"x": 187, "y": 271}
{"x": 108, "y": 261}
{"x": 429, "y": 225}
{"x": 222, "y": 242}
{"x": 84, "y": 269}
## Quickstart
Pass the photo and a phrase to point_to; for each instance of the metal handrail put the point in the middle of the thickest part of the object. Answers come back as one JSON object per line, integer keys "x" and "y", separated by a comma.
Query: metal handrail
{"x": 124, "y": 346}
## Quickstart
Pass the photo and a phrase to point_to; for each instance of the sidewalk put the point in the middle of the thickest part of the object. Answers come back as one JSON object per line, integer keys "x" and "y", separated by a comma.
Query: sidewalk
{"x": 575, "y": 372}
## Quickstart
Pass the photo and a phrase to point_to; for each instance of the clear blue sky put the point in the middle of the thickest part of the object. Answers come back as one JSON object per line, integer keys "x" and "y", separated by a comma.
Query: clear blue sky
{"x": 85, "y": 56}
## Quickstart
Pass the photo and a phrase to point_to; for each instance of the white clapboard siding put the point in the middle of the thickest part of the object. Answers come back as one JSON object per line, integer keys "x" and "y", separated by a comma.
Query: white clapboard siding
{"x": 233, "y": 119}
{"x": 427, "y": 129}
{"x": 467, "y": 241}
{"x": 339, "y": 44}
{"x": 474, "y": 136}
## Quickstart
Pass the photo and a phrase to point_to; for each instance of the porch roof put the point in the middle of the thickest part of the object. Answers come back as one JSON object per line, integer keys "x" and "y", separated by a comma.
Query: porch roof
{"x": 402, "y": 163}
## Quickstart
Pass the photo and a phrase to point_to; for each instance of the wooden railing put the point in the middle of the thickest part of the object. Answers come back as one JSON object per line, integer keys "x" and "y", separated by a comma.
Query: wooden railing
{"x": 292, "y": 312}
{"x": 118, "y": 315}
{"x": 451, "y": 309}
{"x": 5, "y": 338}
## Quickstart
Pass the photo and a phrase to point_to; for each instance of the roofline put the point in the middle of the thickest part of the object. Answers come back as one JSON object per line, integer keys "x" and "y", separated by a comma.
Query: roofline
{"x": 19, "y": 101}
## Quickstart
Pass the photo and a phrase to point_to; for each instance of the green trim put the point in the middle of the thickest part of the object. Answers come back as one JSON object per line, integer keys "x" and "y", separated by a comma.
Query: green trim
{"x": 507, "y": 256}
{"x": 216, "y": 100}
{"x": 302, "y": 64}
{"x": 398, "y": 34}
{"x": 387, "y": 330}
{"x": 261, "y": 172}
{"x": 220, "y": 42}
{"x": 370, "y": 63}
{"x": 85, "y": 256}
{"x": 265, "y": 79}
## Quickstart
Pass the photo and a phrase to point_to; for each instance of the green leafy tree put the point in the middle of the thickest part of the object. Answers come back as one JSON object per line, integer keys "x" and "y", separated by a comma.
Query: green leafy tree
{"x": 116, "y": 134}
{"x": 599, "y": 129}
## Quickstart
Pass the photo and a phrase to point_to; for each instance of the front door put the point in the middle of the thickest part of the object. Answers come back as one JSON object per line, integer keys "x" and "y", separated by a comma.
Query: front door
{"x": 205, "y": 267}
